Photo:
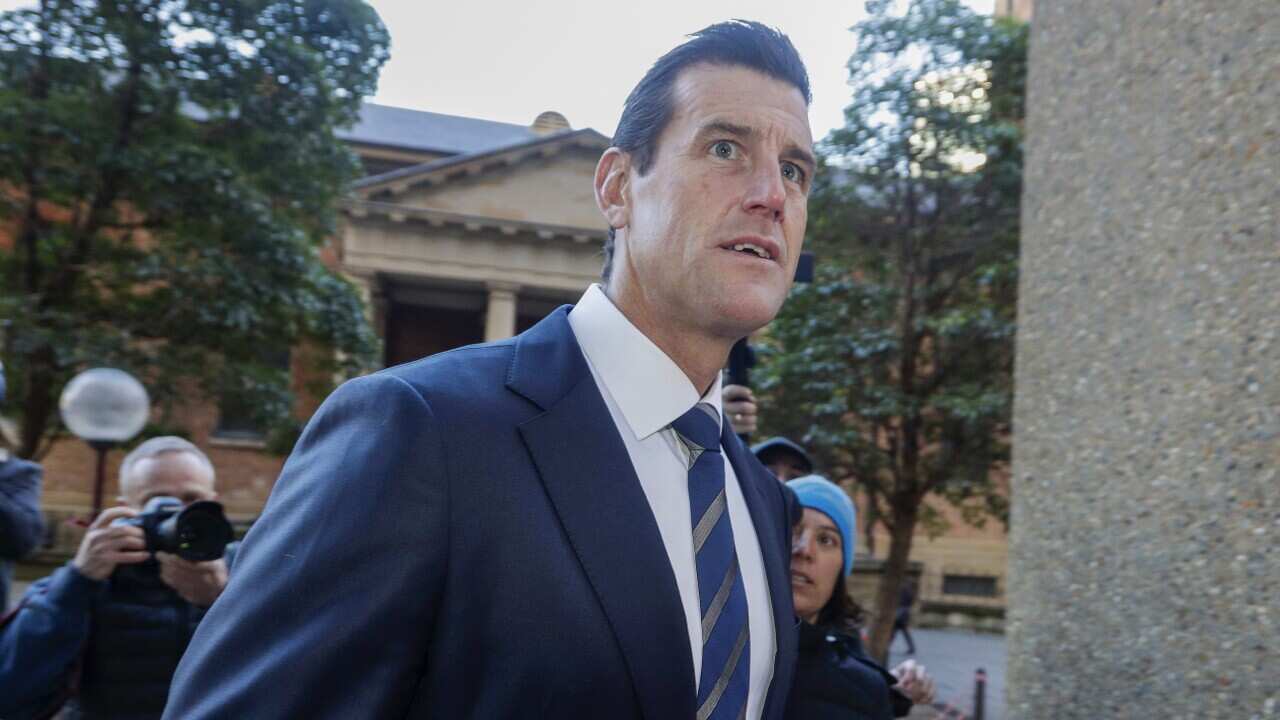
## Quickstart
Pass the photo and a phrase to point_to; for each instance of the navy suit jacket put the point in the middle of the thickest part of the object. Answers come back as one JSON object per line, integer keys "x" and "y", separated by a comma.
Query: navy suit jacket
{"x": 465, "y": 537}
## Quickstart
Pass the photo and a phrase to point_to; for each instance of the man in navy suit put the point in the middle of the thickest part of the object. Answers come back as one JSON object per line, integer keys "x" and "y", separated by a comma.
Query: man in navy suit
{"x": 558, "y": 525}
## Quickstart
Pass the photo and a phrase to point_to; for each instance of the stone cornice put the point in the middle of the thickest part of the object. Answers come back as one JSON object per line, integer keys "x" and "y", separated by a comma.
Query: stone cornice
{"x": 357, "y": 209}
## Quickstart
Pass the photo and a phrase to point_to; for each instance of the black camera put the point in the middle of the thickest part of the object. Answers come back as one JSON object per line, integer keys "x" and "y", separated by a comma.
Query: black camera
{"x": 197, "y": 532}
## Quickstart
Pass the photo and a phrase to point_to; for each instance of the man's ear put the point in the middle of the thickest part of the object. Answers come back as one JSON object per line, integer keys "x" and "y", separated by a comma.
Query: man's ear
{"x": 612, "y": 183}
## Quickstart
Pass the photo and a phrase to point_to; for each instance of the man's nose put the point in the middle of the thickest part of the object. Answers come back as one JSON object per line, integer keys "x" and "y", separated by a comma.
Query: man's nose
{"x": 766, "y": 194}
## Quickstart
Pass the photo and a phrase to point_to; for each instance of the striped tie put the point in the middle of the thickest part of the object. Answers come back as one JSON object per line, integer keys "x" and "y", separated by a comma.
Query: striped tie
{"x": 722, "y": 687}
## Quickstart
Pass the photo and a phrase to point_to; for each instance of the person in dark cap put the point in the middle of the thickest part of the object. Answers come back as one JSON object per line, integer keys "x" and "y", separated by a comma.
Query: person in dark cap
{"x": 784, "y": 458}
{"x": 20, "y": 522}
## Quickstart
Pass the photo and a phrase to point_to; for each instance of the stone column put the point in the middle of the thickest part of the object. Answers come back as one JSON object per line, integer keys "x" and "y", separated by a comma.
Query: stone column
{"x": 500, "y": 316}
{"x": 1145, "y": 542}
{"x": 374, "y": 297}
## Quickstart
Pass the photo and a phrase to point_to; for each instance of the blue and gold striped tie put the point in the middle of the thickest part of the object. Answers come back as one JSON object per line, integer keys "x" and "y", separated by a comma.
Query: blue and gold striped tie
{"x": 726, "y": 647}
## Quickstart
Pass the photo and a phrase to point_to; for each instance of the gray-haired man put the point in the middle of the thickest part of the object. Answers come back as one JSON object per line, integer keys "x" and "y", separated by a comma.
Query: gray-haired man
{"x": 113, "y": 617}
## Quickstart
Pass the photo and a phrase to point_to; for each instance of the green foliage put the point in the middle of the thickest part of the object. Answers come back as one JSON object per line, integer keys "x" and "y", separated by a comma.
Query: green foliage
{"x": 282, "y": 437}
{"x": 895, "y": 366}
{"x": 168, "y": 173}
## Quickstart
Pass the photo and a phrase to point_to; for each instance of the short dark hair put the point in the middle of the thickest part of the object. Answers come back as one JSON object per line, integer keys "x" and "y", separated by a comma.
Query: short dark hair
{"x": 648, "y": 108}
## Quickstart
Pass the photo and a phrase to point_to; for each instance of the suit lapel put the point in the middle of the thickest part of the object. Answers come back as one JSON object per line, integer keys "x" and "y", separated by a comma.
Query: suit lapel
{"x": 775, "y": 538}
{"x": 584, "y": 466}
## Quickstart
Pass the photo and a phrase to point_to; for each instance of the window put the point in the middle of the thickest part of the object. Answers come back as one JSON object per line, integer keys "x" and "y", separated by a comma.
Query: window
{"x": 973, "y": 585}
{"x": 236, "y": 421}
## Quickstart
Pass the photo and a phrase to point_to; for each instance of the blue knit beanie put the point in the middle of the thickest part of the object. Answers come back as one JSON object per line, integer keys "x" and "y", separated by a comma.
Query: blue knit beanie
{"x": 819, "y": 493}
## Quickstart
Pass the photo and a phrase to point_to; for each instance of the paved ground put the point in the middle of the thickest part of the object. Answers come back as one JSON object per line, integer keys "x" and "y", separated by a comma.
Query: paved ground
{"x": 951, "y": 657}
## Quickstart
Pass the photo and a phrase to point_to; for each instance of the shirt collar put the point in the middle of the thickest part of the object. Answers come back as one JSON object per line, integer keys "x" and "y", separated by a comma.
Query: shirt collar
{"x": 647, "y": 386}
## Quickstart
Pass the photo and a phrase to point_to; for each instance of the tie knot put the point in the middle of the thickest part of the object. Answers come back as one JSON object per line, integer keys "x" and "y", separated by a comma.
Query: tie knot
{"x": 700, "y": 426}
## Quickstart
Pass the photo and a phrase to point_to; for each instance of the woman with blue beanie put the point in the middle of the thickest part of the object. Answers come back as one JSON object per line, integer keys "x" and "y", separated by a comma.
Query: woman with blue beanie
{"x": 834, "y": 677}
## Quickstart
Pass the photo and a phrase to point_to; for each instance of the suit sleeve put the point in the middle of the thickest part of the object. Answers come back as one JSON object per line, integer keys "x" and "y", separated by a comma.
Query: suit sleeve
{"x": 329, "y": 608}
{"x": 20, "y": 522}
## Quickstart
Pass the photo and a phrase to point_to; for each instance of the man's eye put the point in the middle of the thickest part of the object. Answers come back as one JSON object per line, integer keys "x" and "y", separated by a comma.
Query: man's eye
{"x": 792, "y": 172}
{"x": 723, "y": 149}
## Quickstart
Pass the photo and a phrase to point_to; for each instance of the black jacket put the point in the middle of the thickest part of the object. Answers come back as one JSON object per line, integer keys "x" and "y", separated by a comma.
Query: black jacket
{"x": 835, "y": 680}
{"x": 141, "y": 627}
{"x": 114, "y": 643}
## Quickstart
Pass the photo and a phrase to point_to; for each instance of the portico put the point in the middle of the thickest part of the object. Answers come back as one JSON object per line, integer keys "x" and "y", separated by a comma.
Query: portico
{"x": 477, "y": 246}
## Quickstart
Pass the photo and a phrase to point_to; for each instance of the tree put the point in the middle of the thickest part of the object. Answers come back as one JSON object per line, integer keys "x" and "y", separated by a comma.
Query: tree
{"x": 168, "y": 175}
{"x": 895, "y": 365}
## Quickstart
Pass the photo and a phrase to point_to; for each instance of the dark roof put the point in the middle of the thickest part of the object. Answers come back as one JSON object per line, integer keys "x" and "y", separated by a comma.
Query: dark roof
{"x": 432, "y": 132}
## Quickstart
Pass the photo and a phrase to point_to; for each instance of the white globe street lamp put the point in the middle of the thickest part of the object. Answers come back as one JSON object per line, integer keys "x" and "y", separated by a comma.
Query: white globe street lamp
{"x": 104, "y": 407}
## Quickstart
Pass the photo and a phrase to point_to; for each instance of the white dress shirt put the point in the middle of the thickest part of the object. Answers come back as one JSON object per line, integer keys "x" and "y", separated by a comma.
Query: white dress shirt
{"x": 645, "y": 392}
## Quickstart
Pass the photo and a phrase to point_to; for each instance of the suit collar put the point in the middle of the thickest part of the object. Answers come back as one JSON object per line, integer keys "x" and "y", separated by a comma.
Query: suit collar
{"x": 646, "y": 385}
{"x": 547, "y": 362}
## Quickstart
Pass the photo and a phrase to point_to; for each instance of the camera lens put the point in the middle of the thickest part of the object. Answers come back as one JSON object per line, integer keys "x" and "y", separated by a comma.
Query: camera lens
{"x": 200, "y": 532}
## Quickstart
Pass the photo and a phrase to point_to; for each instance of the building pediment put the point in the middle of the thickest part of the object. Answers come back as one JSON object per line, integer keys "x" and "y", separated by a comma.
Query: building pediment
{"x": 546, "y": 181}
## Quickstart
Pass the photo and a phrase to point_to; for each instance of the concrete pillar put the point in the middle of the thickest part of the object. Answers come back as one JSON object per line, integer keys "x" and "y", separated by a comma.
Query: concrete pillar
{"x": 1145, "y": 541}
{"x": 373, "y": 295}
{"x": 500, "y": 315}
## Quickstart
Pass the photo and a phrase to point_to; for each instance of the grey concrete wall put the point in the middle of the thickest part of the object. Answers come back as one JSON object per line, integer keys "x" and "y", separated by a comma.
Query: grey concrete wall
{"x": 1144, "y": 571}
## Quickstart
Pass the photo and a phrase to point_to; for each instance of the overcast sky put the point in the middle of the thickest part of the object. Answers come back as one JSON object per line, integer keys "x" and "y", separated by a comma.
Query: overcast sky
{"x": 509, "y": 60}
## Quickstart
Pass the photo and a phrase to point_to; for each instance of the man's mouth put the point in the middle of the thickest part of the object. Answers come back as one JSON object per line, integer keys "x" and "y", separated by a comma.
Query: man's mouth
{"x": 748, "y": 247}
{"x": 754, "y": 245}
{"x": 799, "y": 578}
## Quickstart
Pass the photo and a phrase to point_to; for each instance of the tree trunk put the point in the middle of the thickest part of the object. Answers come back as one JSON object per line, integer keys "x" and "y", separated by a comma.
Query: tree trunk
{"x": 869, "y": 527}
{"x": 905, "y": 515}
{"x": 37, "y": 404}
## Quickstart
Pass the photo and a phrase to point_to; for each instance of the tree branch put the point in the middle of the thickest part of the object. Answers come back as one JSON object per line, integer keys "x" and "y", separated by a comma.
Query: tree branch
{"x": 104, "y": 198}
{"x": 873, "y": 499}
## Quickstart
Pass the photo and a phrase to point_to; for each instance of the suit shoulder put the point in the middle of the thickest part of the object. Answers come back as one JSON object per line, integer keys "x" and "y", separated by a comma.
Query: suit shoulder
{"x": 470, "y": 373}
{"x": 483, "y": 359}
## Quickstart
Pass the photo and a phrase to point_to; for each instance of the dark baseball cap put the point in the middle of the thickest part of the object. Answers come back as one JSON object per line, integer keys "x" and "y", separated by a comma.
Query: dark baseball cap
{"x": 774, "y": 444}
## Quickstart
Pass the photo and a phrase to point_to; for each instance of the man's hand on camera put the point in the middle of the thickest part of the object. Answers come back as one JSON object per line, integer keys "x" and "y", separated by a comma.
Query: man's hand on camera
{"x": 199, "y": 583}
{"x": 740, "y": 407}
{"x": 104, "y": 547}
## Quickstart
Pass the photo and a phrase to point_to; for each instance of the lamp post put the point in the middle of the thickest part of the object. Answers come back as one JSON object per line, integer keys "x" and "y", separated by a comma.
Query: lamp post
{"x": 104, "y": 407}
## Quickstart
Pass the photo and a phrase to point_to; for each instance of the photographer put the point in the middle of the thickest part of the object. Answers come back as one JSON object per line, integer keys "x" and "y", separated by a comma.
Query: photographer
{"x": 105, "y": 632}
